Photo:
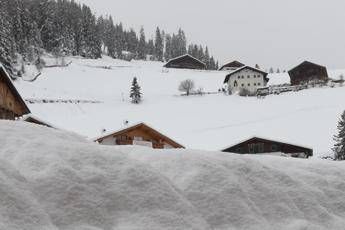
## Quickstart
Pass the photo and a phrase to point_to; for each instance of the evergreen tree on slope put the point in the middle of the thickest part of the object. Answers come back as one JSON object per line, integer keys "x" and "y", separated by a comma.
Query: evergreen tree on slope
{"x": 135, "y": 93}
{"x": 339, "y": 147}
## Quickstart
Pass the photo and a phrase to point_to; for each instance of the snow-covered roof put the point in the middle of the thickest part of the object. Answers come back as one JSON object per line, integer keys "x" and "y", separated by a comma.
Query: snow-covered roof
{"x": 34, "y": 119}
{"x": 267, "y": 139}
{"x": 232, "y": 64}
{"x": 185, "y": 55}
{"x": 125, "y": 129}
{"x": 245, "y": 67}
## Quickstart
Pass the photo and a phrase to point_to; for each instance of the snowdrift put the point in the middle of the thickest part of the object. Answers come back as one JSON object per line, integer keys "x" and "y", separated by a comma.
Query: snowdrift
{"x": 51, "y": 179}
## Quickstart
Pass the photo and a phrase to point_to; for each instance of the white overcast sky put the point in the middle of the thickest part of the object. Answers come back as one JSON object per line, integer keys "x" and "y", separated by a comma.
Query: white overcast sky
{"x": 278, "y": 33}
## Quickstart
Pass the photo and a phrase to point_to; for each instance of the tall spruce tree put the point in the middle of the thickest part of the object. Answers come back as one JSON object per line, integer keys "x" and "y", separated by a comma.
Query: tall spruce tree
{"x": 142, "y": 47}
{"x": 6, "y": 41}
{"x": 135, "y": 93}
{"x": 339, "y": 147}
{"x": 159, "y": 46}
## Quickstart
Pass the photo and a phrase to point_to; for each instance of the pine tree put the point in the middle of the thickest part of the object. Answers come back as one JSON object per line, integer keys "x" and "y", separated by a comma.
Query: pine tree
{"x": 135, "y": 93}
{"x": 257, "y": 66}
{"x": 159, "y": 46}
{"x": 339, "y": 147}
{"x": 168, "y": 47}
{"x": 5, "y": 40}
{"x": 142, "y": 49}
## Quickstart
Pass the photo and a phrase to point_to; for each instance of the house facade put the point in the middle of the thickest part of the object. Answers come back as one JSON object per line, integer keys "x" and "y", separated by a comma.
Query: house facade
{"x": 231, "y": 66}
{"x": 140, "y": 134}
{"x": 308, "y": 72}
{"x": 257, "y": 145}
{"x": 11, "y": 103}
{"x": 247, "y": 78}
{"x": 185, "y": 62}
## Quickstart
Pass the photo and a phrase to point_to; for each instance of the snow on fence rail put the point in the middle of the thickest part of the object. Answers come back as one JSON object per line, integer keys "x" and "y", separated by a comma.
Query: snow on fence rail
{"x": 60, "y": 101}
{"x": 278, "y": 89}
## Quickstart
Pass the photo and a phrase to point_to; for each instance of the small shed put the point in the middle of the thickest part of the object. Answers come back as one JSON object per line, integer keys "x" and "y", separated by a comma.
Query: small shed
{"x": 258, "y": 145}
{"x": 231, "y": 66}
{"x": 185, "y": 62}
{"x": 139, "y": 134}
{"x": 11, "y": 103}
{"x": 308, "y": 72}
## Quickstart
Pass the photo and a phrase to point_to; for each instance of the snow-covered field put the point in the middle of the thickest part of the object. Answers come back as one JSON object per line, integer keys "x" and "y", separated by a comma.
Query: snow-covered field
{"x": 209, "y": 122}
{"x": 55, "y": 180}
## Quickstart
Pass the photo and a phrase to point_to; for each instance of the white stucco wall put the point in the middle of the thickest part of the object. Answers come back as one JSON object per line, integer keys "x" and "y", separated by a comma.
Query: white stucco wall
{"x": 248, "y": 79}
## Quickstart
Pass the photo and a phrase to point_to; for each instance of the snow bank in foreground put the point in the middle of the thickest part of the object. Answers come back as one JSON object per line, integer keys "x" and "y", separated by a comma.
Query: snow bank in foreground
{"x": 51, "y": 179}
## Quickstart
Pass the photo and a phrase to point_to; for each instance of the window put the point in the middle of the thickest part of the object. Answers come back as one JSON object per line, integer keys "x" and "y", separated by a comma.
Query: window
{"x": 254, "y": 84}
{"x": 138, "y": 138}
{"x": 235, "y": 84}
{"x": 261, "y": 147}
{"x": 242, "y": 85}
{"x": 274, "y": 148}
{"x": 248, "y": 76}
{"x": 259, "y": 83}
{"x": 256, "y": 148}
{"x": 239, "y": 77}
{"x": 251, "y": 148}
{"x": 242, "y": 77}
{"x": 254, "y": 76}
{"x": 248, "y": 84}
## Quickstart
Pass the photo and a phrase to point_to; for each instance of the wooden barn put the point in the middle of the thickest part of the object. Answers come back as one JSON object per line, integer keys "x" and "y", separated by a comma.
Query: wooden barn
{"x": 11, "y": 103}
{"x": 231, "y": 66}
{"x": 308, "y": 72}
{"x": 140, "y": 134}
{"x": 185, "y": 62}
{"x": 257, "y": 145}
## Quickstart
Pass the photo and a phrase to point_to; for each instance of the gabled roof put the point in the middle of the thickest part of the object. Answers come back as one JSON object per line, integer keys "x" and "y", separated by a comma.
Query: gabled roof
{"x": 233, "y": 64}
{"x": 183, "y": 56}
{"x": 33, "y": 119}
{"x": 135, "y": 126}
{"x": 13, "y": 89}
{"x": 307, "y": 63}
{"x": 242, "y": 68}
{"x": 266, "y": 139}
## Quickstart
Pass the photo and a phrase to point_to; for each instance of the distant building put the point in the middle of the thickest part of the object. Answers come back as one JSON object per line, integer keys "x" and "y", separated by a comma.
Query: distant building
{"x": 308, "y": 72}
{"x": 140, "y": 134}
{"x": 247, "y": 78}
{"x": 185, "y": 62}
{"x": 257, "y": 145}
{"x": 231, "y": 66}
{"x": 11, "y": 103}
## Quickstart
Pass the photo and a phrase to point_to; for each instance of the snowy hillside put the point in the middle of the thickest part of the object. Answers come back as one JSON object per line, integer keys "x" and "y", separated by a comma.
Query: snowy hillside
{"x": 209, "y": 122}
{"x": 52, "y": 180}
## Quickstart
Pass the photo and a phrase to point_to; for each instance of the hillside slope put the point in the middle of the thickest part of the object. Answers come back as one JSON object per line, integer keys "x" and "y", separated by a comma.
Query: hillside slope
{"x": 210, "y": 122}
{"x": 54, "y": 180}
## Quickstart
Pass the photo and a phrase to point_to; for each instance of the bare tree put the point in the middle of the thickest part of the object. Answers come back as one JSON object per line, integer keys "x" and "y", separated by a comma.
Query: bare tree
{"x": 186, "y": 86}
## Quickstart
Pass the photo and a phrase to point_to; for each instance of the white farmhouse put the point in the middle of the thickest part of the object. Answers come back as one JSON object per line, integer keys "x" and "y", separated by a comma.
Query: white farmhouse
{"x": 247, "y": 78}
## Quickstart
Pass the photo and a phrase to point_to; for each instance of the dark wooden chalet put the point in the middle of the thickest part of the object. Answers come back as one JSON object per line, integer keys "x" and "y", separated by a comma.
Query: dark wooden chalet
{"x": 11, "y": 103}
{"x": 258, "y": 145}
{"x": 232, "y": 66}
{"x": 308, "y": 72}
{"x": 185, "y": 62}
{"x": 140, "y": 134}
